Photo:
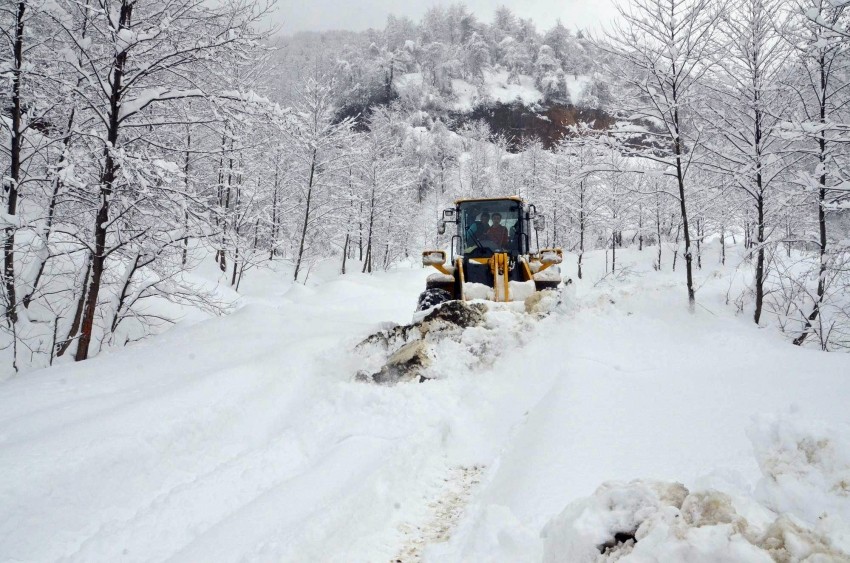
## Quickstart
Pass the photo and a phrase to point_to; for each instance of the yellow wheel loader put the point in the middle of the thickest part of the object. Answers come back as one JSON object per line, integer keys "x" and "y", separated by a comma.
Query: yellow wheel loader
{"x": 491, "y": 256}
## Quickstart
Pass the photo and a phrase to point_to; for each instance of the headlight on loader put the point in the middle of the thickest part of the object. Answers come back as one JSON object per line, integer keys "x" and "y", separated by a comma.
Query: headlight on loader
{"x": 549, "y": 256}
{"x": 433, "y": 257}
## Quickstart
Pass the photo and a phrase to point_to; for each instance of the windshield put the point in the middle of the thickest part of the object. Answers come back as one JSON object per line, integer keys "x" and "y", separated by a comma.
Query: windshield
{"x": 490, "y": 226}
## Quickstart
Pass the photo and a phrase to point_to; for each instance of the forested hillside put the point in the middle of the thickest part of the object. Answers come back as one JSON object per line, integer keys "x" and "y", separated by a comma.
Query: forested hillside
{"x": 523, "y": 82}
{"x": 143, "y": 139}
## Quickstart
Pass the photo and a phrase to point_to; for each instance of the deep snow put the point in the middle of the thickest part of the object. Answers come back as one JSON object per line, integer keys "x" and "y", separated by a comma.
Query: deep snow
{"x": 246, "y": 437}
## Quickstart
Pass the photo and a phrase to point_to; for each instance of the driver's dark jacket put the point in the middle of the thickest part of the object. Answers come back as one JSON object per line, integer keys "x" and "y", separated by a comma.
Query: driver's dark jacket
{"x": 475, "y": 230}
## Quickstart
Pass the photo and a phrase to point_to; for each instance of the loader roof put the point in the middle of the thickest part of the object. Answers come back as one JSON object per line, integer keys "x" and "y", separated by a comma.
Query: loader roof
{"x": 505, "y": 198}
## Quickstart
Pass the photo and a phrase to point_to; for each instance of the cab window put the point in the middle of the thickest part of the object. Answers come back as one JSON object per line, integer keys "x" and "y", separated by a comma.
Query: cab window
{"x": 488, "y": 227}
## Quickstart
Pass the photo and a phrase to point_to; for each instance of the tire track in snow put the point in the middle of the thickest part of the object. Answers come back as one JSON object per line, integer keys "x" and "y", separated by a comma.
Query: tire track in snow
{"x": 445, "y": 513}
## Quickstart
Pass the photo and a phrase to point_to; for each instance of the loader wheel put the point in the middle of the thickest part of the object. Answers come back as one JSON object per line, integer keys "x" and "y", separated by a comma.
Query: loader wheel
{"x": 546, "y": 285}
{"x": 431, "y": 297}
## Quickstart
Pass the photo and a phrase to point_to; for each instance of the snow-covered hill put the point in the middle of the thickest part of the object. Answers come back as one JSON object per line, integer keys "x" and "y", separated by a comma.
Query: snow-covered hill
{"x": 247, "y": 438}
{"x": 495, "y": 87}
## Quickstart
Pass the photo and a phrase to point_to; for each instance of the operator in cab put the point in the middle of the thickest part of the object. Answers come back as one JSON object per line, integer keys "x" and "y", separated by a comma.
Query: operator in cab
{"x": 477, "y": 231}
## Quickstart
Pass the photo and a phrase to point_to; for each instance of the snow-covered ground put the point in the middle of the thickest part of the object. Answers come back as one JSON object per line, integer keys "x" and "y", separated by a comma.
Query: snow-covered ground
{"x": 246, "y": 437}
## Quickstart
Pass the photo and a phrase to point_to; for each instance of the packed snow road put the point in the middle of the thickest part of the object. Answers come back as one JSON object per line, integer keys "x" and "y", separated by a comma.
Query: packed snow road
{"x": 246, "y": 438}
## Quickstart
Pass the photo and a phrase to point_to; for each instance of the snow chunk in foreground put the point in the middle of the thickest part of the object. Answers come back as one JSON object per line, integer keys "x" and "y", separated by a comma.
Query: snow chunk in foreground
{"x": 610, "y": 519}
{"x": 806, "y": 466}
{"x": 649, "y": 521}
{"x": 800, "y": 512}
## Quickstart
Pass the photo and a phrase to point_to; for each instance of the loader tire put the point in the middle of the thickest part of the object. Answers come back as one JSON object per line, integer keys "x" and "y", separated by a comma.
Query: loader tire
{"x": 431, "y": 297}
{"x": 546, "y": 285}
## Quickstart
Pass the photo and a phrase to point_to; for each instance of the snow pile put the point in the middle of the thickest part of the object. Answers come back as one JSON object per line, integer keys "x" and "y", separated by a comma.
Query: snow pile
{"x": 799, "y": 511}
{"x": 806, "y": 467}
{"x": 452, "y": 336}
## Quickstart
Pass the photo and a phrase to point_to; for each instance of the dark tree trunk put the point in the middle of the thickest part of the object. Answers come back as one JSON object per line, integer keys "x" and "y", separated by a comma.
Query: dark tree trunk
{"x": 14, "y": 167}
{"x": 107, "y": 186}
{"x": 680, "y": 180}
{"x": 759, "y": 281}
{"x": 186, "y": 184}
{"x": 275, "y": 218}
{"x": 222, "y": 256}
{"x": 74, "y": 329}
{"x": 821, "y": 211}
{"x": 640, "y": 227}
{"x": 580, "y": 226}
{"x": 676, "y": 252}
{"x": 345, "y": 251}
{"x": 367, "y": 263}
{"x": 658, "y": 229}
{"x": 613, "y": 252}
{"x": 306, "y": 215}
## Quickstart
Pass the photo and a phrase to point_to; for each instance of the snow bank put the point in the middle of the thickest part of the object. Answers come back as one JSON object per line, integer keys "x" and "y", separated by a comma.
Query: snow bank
{"x": 798, "y": 513}
{"x": 806, "y": 467}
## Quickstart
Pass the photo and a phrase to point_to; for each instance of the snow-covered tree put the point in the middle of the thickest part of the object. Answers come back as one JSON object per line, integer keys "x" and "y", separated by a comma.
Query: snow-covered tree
{"x": 747, "y": 111}
{"x": 662, "y": 49}
{"x": 320, "y": 148}
{"x": 821, "y": 89}
{"x": 548, "y": 75}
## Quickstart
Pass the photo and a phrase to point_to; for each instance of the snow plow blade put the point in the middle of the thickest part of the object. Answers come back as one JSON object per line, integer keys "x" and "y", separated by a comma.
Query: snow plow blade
{"x": 406, "y": 353}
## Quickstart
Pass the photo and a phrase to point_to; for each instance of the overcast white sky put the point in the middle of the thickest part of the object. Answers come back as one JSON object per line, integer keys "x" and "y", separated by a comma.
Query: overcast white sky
{"x": 356, "y": 15}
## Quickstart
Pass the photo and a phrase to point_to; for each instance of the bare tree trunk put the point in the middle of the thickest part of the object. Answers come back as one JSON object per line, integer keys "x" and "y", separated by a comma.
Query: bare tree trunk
{"x": 74, "y": 329}
{"x": 640, "y": 227}
{"x": 122, "y": 296}
{"x": 699, "y": 244}
{"x": 658, "y": 228}
{"x": 107, "y": 183}
{"x": 387, "y": 245}
{"x": 360, "y": 234}
{"x": 306, "y": 214}
{"x": 235, "y": 267}
{"x": 222, "y": 257}
{"x": 759, "y": 281}
{"x": 275, "y": 218}
{"x": 821, "y": 231}
{"x": 676, "y": 252}
{"x": 613, "y": 252}
{"x": 788, "y": 237}
{"x": 13, "y": 183}
{"x": 581, "y": 226}
{"x": 345, "y": 251}
{"x": 367, "y": 264}
{"x": 237, "y": 223}
{"x": 680, "y": 179}
{"x": 186, "y": 184}
{"x": 220, "y": 196}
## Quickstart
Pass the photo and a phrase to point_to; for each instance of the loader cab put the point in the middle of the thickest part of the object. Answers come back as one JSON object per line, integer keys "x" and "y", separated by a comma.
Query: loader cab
{"x": 489, "y": 226}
